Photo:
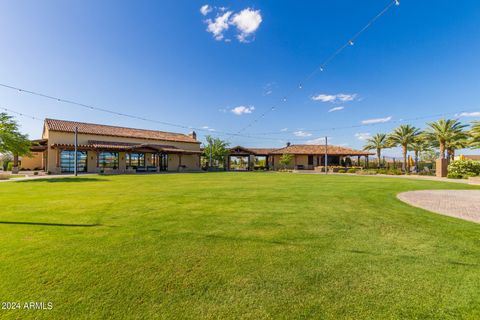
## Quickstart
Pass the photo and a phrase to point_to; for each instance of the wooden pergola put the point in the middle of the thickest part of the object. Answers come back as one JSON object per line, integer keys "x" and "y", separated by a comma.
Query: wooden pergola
{"x": 250, "y": 153}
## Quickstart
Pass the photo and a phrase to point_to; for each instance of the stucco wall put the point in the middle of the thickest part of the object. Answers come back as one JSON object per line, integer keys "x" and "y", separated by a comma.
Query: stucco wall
{"x": 190, "y": 161}
{"x": 34, "y": 162}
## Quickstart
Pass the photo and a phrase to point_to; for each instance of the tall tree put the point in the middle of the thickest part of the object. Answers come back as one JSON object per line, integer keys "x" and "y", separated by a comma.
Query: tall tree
{"x": 475, "y": 134}
{"x": 215, "y": 150}
{"x": 378, "y": 142}
{"x": 11, "y": 140}
{"x": 455, "y": 144}
{"x": 444, "y": 131}
{"x": 419, "y": 145}
{"x": 403, "y": 137}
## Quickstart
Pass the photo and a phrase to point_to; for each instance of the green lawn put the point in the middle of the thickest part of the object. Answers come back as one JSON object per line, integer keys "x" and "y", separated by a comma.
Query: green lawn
{"x": 234, "y": 245}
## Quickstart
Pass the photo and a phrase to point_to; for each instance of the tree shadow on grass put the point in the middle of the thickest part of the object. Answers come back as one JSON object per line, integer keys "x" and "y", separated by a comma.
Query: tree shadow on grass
{"x": 51, "y": 224}
{"x": 54, "y": 180}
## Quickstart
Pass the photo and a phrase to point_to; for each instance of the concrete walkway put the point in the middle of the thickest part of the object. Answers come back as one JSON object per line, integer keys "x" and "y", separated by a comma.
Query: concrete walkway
{"x": 463, "y": 204}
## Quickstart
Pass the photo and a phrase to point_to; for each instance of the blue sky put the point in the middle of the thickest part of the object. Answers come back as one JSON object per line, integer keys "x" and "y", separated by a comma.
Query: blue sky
{"x": 157, "y": 59}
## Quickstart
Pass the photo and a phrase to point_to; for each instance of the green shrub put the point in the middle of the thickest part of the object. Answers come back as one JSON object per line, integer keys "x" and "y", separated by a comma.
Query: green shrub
{"x": 341, "y": 171}
{"x": 10, "y": 166}
{"x": 351, "y": 170}
{"x": 452, "y": 175}
{"x": 463, "y": 169}
{"x": 382, "y": 171}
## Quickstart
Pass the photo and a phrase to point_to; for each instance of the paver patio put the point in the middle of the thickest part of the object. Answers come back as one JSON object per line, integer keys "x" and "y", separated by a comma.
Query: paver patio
{"x": 463, "y": 204}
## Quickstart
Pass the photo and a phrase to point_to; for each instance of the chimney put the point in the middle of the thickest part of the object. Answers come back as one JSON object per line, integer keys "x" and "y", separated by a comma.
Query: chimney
{"x": 288, "y": 144}
{"x": 193, "y": 135}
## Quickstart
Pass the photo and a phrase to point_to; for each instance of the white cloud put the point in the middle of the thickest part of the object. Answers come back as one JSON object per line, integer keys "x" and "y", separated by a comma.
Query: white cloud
{"x": 208, "y": 128}
{"x": 324, "y": 97}
{"x": 247, "y": 22}
{"x": 346, "y": 97}
{"x": 334, "y": 98}
{"x": 336, "y": 109}
{"x": 301, "y": 133}
{"x": 320, "y": 140}
{"x": 284, "y": 130}
{"x": 377, "y": 120}
{"x": 363, "y": 135}
{"x": 242, "y": 110}
{"x": 205, "y": 9}
{"x": 468, "y": 114}
{"x": 218, "y": 26}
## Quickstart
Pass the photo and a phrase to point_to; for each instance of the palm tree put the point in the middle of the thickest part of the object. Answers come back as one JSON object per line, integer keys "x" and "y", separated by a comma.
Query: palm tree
{"x": 455, "y": 145}
{"x": 475, "y": 134}
{"x": 420, "y": 144}
{"x": 404, "y": 136}
{"x": 445, "y": 131}
{"x": 377, "y": 142}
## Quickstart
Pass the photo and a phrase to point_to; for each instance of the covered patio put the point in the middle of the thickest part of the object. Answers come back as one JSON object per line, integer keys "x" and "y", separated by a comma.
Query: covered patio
{"x": 248, "y": 159}
{"x": 120, "y": 157}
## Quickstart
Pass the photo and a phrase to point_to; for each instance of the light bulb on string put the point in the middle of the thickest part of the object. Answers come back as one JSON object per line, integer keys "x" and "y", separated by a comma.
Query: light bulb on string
{"x": 300, "y": 86}
{"x": 397, "y": 2}
{"x": 350, "y": 42}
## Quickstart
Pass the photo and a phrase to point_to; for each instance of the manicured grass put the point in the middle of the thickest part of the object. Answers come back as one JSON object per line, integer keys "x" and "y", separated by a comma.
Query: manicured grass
{"x": 234, "y": 245}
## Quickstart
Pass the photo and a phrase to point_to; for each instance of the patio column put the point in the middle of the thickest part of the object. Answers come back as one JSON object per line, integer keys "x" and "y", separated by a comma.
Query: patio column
{"x": 179, "y": 161}
{"x": 58, "y": 158}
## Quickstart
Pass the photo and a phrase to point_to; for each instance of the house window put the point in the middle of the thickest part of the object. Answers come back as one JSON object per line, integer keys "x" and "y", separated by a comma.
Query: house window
{"x": 108, "y": 160}
{"x": 310, "y": 160}
{"x": 135, "y": 160}
{"x": 67, "y": 161}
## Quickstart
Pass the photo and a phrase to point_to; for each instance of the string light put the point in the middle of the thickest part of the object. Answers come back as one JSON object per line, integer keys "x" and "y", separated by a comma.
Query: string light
{"x": 350, "y": 42}
{"x": 321, "y": 68}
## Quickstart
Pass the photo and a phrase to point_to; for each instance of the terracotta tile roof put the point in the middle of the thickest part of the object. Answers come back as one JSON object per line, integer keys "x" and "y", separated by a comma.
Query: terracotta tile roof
{"x": 124, "y": 146}
{"x": 253, "y": 151}
{"x": 262, "y": 151}
{"x": 113, "y": 131}
{"x": 320, "y": 149}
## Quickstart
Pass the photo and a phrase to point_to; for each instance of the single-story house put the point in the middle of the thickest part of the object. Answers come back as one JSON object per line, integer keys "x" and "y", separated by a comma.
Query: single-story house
{"x": 304, "y": 156}
{"x": 104, "y": 148}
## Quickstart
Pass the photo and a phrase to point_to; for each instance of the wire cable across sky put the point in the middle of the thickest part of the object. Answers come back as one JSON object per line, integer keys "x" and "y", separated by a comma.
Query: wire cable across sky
{"x": 322, "y": 67}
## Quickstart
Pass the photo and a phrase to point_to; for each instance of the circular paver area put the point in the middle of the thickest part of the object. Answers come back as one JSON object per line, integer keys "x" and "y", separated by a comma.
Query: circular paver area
{"x": 463, "y": 204}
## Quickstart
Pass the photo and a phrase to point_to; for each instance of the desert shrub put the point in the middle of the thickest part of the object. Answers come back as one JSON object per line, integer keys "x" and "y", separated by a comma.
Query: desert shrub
{"x": 35, "y": 173}
{"x": 4, "y": 176}
{"x": 351, "y": 170}
{"x": 382, "y": 171}
{"x": 463, "y": 168}
{"x": 341, "y": 171}
{"x": 367, "y": 172}
{"x": 394, "y": 172}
